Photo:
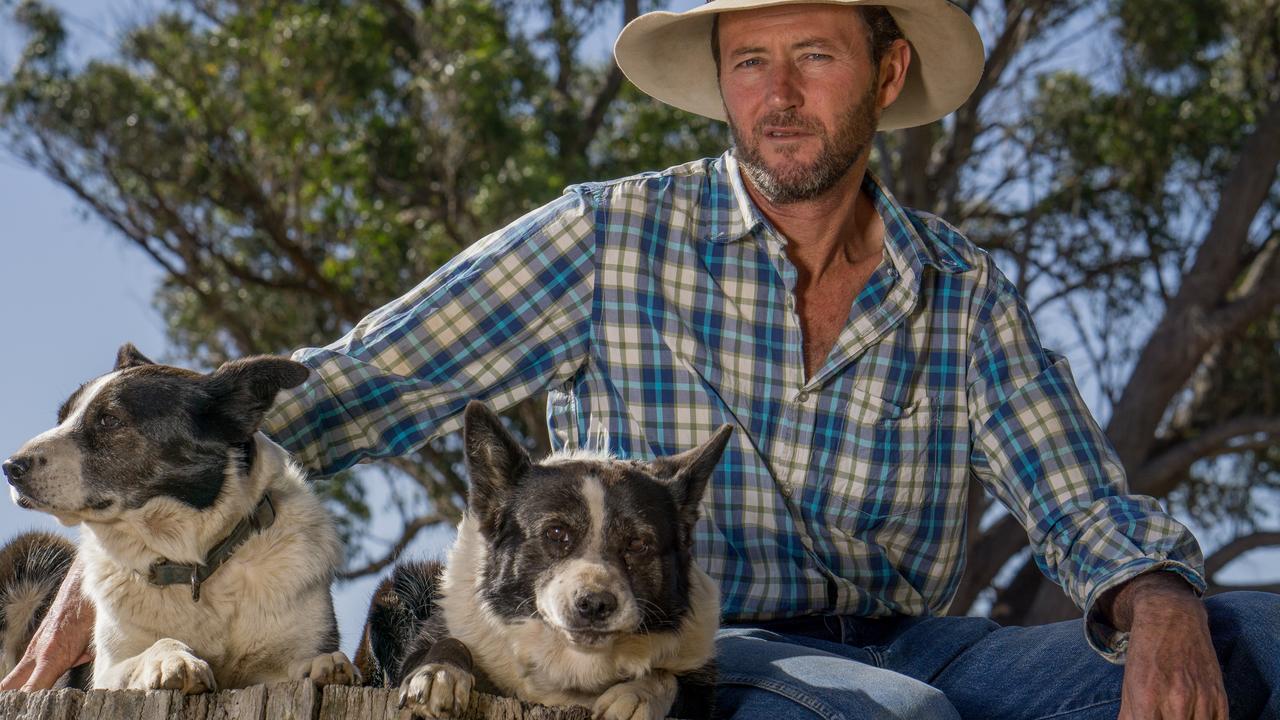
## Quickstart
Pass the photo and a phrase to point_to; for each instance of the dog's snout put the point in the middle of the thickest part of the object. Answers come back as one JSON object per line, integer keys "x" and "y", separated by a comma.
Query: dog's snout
{"x": 16, "y": 468}
{"x": 596, "y": 605}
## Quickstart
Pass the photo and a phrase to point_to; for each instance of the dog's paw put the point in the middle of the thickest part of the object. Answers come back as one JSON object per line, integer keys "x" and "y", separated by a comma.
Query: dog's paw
{"x": 173, "y": 669}
{"x": 648, "y": 698}
{"x": 437, "y": 690}
{"x": 328, "y": 669}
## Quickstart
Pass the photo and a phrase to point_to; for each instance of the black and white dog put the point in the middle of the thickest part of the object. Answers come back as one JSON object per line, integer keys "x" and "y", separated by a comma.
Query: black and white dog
{"x": 207, "y": 557}
{"x": 571, "y": 582}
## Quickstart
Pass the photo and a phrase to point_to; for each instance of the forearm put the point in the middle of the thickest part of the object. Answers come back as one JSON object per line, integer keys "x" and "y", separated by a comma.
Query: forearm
{"x": 501, "y": 322}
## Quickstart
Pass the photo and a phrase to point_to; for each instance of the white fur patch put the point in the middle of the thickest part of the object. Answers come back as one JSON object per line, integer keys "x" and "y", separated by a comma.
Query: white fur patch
{"x": 593, "y": 492}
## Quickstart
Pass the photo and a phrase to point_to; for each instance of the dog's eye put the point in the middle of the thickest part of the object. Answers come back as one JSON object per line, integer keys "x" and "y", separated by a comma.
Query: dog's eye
{"x": 108, "y": 421}
{"x": 558, "y": 534}
{"x": 638, "y": 547}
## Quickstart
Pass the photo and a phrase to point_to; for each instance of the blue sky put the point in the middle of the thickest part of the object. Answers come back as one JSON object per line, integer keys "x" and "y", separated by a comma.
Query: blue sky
{"x": 71, "y": 293}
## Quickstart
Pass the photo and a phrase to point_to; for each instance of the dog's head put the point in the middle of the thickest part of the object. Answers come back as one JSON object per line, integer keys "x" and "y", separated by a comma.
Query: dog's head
{"x": 595, "y": 547}
{"x": 145, "y": 431}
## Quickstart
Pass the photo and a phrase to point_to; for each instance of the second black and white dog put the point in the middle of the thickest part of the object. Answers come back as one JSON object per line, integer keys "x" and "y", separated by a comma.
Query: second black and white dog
{"x": 571, "y": 582}
{"x": 207, "y": 557}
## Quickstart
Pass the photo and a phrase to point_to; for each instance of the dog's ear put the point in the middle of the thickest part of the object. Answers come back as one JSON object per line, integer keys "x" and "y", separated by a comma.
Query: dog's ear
{"x": 128, "y": 356}
{"x": 687, "y": 474}
{"x": 495, "y": 462}
{"x": 242, "y": 391}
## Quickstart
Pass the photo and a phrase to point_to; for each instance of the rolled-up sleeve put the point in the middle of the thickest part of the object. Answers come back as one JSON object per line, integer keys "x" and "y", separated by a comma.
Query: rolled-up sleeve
{"x": 1037, "y": 448}
{"x": 502, "y": 321}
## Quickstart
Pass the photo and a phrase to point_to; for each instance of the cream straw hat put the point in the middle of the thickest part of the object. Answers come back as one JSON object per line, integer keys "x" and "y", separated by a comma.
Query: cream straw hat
{"x": 668, "y": 56}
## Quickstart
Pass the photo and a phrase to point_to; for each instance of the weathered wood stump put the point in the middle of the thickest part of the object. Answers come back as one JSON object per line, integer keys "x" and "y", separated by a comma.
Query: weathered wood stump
{"x": 283, "y": 701}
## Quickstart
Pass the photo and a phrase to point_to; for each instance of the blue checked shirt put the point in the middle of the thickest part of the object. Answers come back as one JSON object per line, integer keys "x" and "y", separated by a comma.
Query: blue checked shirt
{"x": 654, "y": 308}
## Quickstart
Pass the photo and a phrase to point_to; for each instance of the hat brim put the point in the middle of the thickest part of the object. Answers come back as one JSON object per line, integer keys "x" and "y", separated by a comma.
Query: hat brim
{"x": 668, "y": 56}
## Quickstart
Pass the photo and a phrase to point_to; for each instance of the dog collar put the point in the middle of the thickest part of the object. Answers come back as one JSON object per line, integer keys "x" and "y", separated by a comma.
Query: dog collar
{"x": 163, "y": 572}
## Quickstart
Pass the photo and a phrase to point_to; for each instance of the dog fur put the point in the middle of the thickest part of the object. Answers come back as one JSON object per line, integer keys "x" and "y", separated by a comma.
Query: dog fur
{"x": 157, "y": 462}
{"x": 571, "y": 582}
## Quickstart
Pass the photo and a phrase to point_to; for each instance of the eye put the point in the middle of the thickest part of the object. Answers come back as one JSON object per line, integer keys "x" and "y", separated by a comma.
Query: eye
{"x": 108, "y": 421}
{"x": 558, "y": 535}
{"x": 748, "y": 63}
{"x": 639, "y": 546}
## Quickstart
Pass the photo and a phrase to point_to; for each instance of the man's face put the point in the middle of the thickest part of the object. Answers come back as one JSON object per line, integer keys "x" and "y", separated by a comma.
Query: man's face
{"x": 801, "y": 93}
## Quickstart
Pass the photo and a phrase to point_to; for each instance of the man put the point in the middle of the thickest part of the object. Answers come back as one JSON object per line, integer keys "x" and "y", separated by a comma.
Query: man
{"x": 873, "y": 360}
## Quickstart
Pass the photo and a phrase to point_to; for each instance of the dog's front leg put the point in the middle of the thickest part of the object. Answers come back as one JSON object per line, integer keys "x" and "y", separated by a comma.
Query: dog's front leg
{"x": 439, "y": 686}
{"x": 167, "y": 665}
{"x": 648, "y": 697}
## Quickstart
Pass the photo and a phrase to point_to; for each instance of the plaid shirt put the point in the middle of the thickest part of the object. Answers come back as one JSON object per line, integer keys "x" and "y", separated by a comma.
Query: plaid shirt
{"x": 654, "y": 308}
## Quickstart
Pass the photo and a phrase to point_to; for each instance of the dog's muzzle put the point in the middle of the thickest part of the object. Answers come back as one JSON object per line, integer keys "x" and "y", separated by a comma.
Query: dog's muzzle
{"x": 594, "y": 606}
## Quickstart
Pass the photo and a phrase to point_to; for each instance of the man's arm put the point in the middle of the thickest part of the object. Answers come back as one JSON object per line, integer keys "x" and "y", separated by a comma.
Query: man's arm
{"x": 1166, "y": 620}
{"x": 505, "y": 319}
{"x": 1134, "y": 569}
{"x": 63, "y": 640}
{"x": 1037, "y": 448}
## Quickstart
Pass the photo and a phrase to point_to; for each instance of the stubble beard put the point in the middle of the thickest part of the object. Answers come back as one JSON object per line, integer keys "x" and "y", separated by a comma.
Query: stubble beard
{"x": 855, "y": 129}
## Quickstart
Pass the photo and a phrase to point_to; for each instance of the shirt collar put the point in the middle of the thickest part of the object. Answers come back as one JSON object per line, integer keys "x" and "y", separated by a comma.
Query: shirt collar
{"x": 733, "y": 216}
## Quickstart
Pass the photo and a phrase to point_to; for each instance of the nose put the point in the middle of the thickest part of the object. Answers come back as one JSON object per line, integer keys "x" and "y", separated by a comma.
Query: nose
{"x": 783, "y": 90}
{"x": 15, "y": 468}
{"x": 595, "y": 606}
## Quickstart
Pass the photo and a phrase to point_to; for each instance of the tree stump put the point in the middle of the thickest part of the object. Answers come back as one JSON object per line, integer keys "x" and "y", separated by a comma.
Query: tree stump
{"x": 282, "y": 701}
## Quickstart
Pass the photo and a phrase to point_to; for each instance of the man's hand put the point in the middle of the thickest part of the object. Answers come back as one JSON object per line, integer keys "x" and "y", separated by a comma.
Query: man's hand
{"x": 1171, "y": 670}
{"x": 63, "y": 640}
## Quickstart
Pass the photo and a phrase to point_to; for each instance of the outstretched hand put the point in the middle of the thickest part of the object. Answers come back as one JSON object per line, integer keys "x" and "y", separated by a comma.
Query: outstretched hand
{"x": 63, "y": 640}
{"x": 1171, "y": 670}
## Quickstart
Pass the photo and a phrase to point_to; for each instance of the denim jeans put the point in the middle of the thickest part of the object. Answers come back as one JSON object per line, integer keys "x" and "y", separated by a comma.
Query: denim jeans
{"x": 836, "y": 667}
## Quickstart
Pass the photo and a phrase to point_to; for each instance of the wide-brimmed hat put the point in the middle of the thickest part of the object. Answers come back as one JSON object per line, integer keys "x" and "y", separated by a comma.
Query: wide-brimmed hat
{"x": 668, "y": 56}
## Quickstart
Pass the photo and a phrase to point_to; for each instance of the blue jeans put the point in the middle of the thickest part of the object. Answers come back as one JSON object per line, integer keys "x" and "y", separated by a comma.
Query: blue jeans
{"x": 836, "y": 667}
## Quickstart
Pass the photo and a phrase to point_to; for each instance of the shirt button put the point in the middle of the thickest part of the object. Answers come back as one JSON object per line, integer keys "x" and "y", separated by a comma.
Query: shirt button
{"x": 802, "y": 397}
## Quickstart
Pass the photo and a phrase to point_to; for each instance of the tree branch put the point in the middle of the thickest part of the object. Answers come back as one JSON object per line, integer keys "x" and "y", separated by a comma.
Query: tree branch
{"x": 1157, "y": 476}
{"x": 407, "y": 534}
{"x": 1224, "y": 555}
{"x": 1183, "y": 336}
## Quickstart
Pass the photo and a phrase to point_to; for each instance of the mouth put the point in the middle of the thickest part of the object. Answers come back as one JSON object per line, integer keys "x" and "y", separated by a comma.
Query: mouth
{"x": 589, "y": 637}
{"x": 785, "y": 133}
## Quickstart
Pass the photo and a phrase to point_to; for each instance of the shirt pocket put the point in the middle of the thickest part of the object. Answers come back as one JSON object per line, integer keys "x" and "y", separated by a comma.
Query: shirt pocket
{"x": 884, "y": 469}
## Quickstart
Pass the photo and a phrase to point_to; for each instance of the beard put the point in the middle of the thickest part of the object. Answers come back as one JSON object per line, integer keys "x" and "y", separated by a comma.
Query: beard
{"x": 798, "y": 182}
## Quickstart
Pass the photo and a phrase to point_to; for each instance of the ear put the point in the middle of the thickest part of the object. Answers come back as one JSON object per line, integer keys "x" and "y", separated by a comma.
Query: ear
{"x": 128, "y": 356}
{"x": 495, "y": 462}
{"x": 242, "y": 391}
{"x": 687, "y": 474}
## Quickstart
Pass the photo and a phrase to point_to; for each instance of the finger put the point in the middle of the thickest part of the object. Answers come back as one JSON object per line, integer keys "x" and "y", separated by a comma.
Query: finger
{"x": 43, "y": 676}
{"x": 17, "y": 676}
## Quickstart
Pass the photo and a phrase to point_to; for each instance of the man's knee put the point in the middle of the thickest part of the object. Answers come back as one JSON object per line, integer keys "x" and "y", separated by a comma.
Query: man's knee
{"x": 764, "y": 675}
{"x": 1252, "y": 617}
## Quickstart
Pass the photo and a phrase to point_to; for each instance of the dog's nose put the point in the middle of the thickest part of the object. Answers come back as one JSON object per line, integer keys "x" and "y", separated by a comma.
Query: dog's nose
{"x": 16, "y": 467}
{"x": 596, "y": 605}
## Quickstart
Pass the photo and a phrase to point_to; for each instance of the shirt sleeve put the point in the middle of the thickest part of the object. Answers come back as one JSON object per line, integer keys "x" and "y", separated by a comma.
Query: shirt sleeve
{"x": 508, "y": 317}
{"x": 1037, "y": 448}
